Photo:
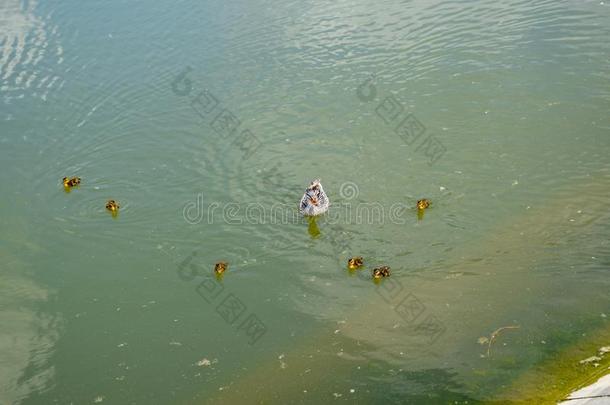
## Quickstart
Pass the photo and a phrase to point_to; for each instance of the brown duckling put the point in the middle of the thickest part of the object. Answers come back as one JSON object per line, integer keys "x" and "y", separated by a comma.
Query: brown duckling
{"x": 423, "y": 204}
{"x": 220, "y": 268}
{"x": 71, "y": 181}
{"x": 112, "y": 206}
{"x": 380, "y": 272}
{"x": 355, "y": 262}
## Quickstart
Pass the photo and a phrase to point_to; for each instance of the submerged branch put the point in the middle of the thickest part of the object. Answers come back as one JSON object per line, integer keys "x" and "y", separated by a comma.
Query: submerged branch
{"x": 495, "y": 334}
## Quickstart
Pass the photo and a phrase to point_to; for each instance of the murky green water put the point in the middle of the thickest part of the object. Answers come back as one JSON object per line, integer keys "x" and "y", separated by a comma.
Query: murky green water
{"x": 141, "y": 101}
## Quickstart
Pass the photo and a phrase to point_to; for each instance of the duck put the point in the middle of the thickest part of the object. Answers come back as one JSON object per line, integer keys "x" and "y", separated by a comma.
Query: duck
{"x": 423, "y": 204}
{"x": 381, "y": 272}
{"x": 220, "y": 268}
{"x": 355, "y": 262}
{"x": 113, "y": 207}
{"x": 71, "y": 181}
{"x": 315, "y": 201}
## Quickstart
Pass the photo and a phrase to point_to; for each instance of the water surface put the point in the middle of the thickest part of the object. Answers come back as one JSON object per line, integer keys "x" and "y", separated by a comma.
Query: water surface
{"x": 96, "y": 308}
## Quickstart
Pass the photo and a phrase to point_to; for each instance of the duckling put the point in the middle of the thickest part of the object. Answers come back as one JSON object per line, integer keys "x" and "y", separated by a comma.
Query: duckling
{"x": 220, "y": 268}
{"x": 314, "y": 202}
{"x": 355, "y": 262}
{"x": 380, "y": 272}
{"x": 113, "y": 207}
{"x": 423, "y": 204}
{"x": 70, "y": 181}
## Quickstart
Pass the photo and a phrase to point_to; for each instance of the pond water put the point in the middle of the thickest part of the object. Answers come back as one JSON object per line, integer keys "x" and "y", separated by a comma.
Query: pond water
{"x": 206, "y": 120}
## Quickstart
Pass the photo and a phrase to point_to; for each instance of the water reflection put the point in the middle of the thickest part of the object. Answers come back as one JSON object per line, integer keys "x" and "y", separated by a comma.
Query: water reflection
{"x": 28, "y": 335}
{"x": 27, "y": 44}
{"x": 312, "y": 228}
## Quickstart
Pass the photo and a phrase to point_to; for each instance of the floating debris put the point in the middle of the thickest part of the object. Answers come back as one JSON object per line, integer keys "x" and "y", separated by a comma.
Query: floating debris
{"x": 592, "y": 359}
{"x": 380, "y": 272}
{"x": 355, "y": 262}
{"x": 206, "y": 362}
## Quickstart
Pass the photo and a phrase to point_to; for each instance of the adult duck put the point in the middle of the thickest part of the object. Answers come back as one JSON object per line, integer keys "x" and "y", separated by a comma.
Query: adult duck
{"x": 314, "y": 201}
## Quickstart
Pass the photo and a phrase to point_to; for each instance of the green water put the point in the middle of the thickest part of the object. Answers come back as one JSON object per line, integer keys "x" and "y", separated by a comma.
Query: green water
{"x": 126, "y": 310}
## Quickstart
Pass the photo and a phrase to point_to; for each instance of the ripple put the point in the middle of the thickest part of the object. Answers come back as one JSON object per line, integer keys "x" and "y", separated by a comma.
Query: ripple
{"x": 30, "y": 51}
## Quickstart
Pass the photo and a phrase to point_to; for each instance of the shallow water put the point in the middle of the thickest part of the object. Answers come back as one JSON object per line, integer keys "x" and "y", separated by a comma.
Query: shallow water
{"x": 141, "y": 101}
